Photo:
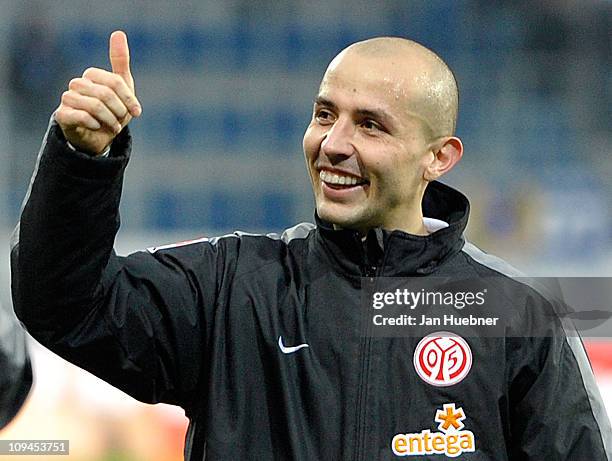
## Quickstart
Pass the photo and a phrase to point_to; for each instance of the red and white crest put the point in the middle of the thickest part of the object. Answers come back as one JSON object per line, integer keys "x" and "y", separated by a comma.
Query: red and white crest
{"x": 442, "y": 358}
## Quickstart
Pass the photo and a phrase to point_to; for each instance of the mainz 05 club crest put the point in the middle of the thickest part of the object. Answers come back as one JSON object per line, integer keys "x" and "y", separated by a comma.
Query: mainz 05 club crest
{"x": 442, "y": 359}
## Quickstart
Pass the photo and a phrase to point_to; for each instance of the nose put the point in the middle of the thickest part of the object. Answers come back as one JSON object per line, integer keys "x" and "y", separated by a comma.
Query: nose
{"x": 338, "y": 142}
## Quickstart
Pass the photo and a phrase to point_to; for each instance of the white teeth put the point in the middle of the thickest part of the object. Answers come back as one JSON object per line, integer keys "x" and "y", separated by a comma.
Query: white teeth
{"x": 331, "y": 178}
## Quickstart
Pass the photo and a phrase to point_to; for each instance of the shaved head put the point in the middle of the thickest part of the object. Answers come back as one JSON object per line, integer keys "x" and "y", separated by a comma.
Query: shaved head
{"x": 381, "y": 130}
{"x": 421, "y": 76}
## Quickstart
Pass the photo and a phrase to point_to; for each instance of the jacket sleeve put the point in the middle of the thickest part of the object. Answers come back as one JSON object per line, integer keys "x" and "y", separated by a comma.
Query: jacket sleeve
{"x": 138, "y": 322}
{"x": 15, "y": 367}
{"x": 557, "y": 411}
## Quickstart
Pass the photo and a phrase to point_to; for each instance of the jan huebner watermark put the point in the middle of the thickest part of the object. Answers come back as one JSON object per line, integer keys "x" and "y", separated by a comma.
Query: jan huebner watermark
{"x": 412, "y": 300}
{"x": 34, "y": 447}
{"x": 487, "y": 306}
{"x": 405, "y": 311}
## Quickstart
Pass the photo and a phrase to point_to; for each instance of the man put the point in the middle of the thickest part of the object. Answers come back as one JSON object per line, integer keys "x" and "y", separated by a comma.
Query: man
{"x": 260, "y": 338}
{"x": 15, "y": 367}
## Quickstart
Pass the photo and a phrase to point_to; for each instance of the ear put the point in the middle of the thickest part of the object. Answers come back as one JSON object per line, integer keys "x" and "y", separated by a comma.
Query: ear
{"x": 446, "y": 152}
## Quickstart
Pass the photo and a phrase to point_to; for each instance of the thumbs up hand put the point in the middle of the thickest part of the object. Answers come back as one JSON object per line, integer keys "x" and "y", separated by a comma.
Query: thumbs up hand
{"x": 98, "y": 105}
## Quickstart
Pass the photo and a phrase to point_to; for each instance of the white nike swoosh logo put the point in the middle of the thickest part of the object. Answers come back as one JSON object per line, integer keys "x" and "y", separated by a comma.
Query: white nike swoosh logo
{"x": 290, "y": 349}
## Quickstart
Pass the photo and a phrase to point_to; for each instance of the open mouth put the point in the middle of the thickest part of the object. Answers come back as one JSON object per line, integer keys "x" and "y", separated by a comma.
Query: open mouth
{"x": 340, "y": 181}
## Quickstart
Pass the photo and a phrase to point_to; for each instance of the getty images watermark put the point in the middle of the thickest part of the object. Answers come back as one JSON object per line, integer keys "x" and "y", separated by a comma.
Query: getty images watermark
{"x": 492, "y": 306}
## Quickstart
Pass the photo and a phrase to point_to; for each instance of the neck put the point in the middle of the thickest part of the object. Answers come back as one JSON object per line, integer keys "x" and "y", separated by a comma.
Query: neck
{"x": 413, "y": 226}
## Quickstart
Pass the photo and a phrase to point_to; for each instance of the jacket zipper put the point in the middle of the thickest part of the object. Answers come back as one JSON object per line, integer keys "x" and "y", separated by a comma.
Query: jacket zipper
{"x": 371, "y": 272}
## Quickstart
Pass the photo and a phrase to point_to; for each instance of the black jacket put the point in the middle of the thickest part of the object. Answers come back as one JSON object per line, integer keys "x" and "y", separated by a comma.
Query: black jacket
{"x": 209, "y": 325}
{"x": 15, "y": 367}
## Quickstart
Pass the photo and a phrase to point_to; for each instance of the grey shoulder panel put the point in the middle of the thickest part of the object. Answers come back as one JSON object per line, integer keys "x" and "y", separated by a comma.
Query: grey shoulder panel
{"x": 573, "y": 340}
{"x": 15, "y": 235}
{"x": 299, "y": 231}
{"x": 491, "y": 261}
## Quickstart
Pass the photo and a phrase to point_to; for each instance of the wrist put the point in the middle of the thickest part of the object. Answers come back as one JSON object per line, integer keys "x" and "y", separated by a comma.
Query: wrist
{"x": 104, "y": 153}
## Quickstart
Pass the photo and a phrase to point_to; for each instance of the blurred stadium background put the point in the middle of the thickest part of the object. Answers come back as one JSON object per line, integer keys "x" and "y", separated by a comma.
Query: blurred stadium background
{"x": 227, "y": 87}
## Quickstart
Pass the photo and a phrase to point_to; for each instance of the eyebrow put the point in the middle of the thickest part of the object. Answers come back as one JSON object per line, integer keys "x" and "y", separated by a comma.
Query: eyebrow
{"x": 376, "y": 114}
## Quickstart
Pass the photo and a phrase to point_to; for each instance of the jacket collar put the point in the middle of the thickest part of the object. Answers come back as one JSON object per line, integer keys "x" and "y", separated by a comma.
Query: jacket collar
{"x": 397, "y": 253}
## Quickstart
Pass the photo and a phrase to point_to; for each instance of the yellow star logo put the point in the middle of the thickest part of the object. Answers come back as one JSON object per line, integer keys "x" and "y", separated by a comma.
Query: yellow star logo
{"x": 450, "y": 416}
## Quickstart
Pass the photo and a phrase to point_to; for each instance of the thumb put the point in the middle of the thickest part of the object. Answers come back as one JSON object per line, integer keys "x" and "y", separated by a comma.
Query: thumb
{"x": 119, "y": 54}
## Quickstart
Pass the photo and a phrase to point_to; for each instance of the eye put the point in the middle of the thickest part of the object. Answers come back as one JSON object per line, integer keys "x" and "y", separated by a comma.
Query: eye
{"x": 323, "y": 116}
{"x": 371, "y": 125}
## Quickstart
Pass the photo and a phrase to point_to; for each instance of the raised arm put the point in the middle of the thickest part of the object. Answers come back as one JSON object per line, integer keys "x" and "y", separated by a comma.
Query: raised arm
{"x": 139, "y": 321}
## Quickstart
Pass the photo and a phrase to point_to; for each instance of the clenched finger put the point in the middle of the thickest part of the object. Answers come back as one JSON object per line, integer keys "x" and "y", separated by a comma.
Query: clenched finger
{"x": 118, "y": 85}
{"x": 103, "y": 93}
{"x": 94, "y": 107}
{"x": 72, "y": 118}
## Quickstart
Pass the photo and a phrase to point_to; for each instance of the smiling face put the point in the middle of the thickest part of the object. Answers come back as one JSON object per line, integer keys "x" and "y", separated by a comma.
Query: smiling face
{"x": 368, "y": 148}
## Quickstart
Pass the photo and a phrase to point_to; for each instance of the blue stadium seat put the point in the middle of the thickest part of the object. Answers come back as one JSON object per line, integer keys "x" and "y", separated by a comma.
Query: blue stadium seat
{"x": 232, "y": 126}
{"x": 163, "y": 210}
{"x": 191, "y": 44}
{"x": 277, "y": 210}
{"x": 231, "y": 210}
{"x": 144, "y": 45}
{"x": 286, "y": 127}
{"x": 250, "y": 210}
{"x": 85, "y": 45}
{"x": 181, "y": 127}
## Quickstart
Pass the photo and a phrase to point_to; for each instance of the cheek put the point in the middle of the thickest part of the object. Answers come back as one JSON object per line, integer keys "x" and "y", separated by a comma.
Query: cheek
{"x": 402, "y": 174}
{"x": 413, "y": 163}
{"x": 311, "y": 142}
